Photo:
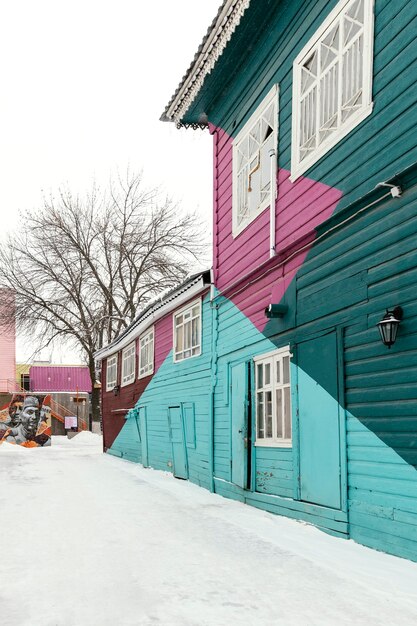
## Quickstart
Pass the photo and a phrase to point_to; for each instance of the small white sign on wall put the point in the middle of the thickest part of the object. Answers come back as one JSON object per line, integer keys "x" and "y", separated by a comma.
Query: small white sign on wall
{"x": 70, "y": 422}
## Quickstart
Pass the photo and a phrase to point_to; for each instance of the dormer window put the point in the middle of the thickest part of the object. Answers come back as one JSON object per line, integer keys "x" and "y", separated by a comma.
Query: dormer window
{"x": 332, "y": 83}
{"x": 252, "y": 163}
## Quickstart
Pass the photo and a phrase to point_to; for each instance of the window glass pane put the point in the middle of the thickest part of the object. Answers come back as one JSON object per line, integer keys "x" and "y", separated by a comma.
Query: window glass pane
{"x": 286, "y": 369}
{"x": 260, "y": 415}
{"x": 279, "y": 414}
{"x": 259, "y": 369}
{"x": 196, "y": 331}
{"x": 268, "y": 414}
{"x": 278, "y": 370}
{"x": 267, "y": 373}
{"x": 187, "y": 335}
{"x": 287, "y": 412}
{"x": 180, "y": 339}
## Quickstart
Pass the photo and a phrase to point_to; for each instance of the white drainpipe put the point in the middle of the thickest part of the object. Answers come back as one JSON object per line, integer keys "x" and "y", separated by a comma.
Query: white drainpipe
{"x": 273, "y": 190}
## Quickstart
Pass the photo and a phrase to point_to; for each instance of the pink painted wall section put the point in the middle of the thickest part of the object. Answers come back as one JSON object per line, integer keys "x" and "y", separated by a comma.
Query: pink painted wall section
{"x": 44, "y": 378}
{"x": 299, "y": 209}
{"x": 7, "y": 344}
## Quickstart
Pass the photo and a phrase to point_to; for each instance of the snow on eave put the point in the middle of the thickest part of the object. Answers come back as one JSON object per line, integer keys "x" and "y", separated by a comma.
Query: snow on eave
{"x": 160, "y": 307}
{"x": 211, "y": 48}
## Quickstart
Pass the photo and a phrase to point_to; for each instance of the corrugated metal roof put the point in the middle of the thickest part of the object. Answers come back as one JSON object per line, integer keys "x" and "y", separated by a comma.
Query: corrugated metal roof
{"x": 158, "y": 303}
{"x": 59, "y": 378}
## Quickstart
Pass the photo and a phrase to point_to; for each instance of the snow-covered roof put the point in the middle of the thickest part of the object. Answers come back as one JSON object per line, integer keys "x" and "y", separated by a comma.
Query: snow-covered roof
{"x": 211, "y": 48}
{"x": 155, "y": 310}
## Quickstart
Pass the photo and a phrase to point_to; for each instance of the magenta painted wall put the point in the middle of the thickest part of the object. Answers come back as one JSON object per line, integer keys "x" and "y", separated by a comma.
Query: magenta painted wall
{"x": 59, "y": 378}
{"x": 7, "y": 348}
{"x": 300, "y": 207}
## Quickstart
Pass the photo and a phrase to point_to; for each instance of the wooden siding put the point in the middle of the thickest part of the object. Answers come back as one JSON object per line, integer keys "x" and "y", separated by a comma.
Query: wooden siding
{"x": 374, "y": 258}
{"x": 173, "y": 384}
{"x": 378, "y": 148}
{"x": 113, "y": 418}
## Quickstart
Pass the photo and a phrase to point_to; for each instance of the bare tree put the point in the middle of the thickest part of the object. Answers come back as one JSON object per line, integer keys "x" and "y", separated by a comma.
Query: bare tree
{"x": 81, "y": 268}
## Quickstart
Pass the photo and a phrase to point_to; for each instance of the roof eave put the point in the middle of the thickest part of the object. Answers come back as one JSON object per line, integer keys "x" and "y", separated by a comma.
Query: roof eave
{"x": 206, "y": 57}
{"x": 161, "y": 307}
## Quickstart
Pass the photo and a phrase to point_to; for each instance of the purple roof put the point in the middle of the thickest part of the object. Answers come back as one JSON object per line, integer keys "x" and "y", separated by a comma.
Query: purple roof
{"x": 64, "y": 378}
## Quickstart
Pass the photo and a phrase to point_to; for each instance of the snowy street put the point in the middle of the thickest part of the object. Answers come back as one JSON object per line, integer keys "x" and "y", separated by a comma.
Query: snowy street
{"x": 92, "y": 540}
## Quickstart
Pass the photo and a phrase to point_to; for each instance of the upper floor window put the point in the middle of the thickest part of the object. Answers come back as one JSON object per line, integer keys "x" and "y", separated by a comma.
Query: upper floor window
{"x": 273, "y": 399}
{"x": 187, "y": 331}
{"x": 111, "y": 372}
{"x": 252, "y": 162}
{"x": 146, "y": 353}
{"x": 128, "y": 364}
{"x": 332, "y": 82}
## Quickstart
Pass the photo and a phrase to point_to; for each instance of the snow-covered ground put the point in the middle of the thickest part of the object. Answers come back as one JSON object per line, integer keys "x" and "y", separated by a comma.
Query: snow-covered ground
{"x": 91, "y": 540}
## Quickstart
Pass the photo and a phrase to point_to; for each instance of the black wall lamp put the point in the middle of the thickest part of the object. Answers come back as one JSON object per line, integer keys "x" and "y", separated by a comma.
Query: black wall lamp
{"x": 388, "y": 326}
{"x": 276, "y": 310}
{"x": 116, "y": 390}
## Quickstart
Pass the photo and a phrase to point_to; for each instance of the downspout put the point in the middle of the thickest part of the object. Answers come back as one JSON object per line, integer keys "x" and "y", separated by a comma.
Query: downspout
{"x": 214, "y": 333}
{"x": 272, "y": 197}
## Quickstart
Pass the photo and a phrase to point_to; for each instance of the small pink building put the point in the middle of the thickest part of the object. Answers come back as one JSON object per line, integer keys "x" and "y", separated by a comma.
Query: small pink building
{"x": 56, "y": 378}
{"x": 7, "y": 343}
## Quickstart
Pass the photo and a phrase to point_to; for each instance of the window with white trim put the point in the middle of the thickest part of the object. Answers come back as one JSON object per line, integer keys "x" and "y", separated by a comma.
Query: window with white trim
{"x": 187, "y": 332}
{"x": 252, "y": 162}
{"x": 111, "y": 372}
{"x": 273, "y": 399}
{"x": 332, "y": 82}
{"x": 146, "y": 353}
{"x": 128, "y": 364}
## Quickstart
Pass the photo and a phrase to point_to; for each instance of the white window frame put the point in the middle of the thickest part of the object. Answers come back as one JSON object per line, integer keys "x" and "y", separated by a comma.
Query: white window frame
{"x": 298, "y": 167}
{"x": 272, "y": 96}
{"x": 181, "y": 312}
{"x": 272, "y": 358}
{"x": 128, "y": 352}
{"x": 146, "y": 340}
{"x": 111, "y": 363}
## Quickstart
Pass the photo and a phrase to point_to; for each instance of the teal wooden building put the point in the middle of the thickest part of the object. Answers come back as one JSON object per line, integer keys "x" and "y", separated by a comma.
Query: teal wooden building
{"x": 303, "y": 410}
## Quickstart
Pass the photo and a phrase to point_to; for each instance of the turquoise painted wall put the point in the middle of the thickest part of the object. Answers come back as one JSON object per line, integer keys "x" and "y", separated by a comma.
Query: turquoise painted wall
{"x": 261, "y": 54}
{"x": 344, "y": 285}
{"x": 174, "y": 384}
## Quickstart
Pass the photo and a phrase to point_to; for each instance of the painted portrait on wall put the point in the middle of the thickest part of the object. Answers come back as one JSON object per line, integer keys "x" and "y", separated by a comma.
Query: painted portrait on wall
{"x": 26, "y": 421}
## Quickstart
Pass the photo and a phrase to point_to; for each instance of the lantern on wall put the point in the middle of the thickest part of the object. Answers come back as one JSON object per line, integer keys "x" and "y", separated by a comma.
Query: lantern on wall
{"x": 388, "y": 326}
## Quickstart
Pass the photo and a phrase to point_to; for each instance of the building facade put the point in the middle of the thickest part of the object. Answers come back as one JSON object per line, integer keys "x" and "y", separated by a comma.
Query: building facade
{"x": 312, "y": 107}
{"x": 156, "y": 387}
{"x": 7, "y": 342}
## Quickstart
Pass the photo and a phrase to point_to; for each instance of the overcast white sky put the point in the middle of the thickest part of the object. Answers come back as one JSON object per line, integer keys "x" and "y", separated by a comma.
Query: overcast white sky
{"x": 84, "y": 83}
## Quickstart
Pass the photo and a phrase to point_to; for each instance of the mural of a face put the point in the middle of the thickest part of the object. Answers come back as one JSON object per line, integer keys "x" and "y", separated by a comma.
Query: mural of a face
{"x": 26, "y": 421}
{"x": 15, "y": 410}
{"x": 30, "y": 416}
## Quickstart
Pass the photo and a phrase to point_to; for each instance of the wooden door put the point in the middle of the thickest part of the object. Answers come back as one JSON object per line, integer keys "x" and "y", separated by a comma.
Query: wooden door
{"x": 143, "y": 435}
{"x": 179, "y": 451}
{"x": 319, "y": 422}
{"x": 239, "y": 423}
